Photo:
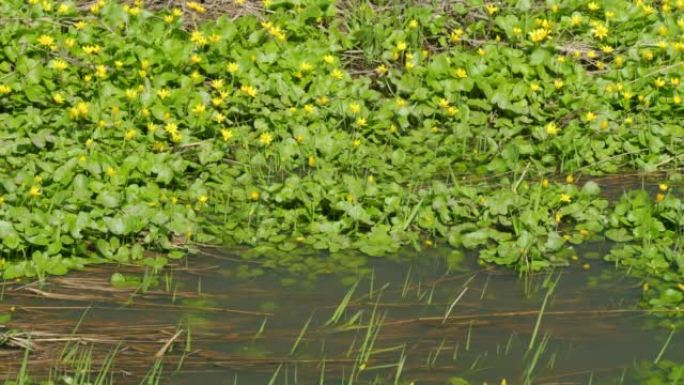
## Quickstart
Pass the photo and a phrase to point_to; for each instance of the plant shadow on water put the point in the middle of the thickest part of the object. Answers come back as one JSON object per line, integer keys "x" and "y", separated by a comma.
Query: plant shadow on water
{"x": 401, "y": 322}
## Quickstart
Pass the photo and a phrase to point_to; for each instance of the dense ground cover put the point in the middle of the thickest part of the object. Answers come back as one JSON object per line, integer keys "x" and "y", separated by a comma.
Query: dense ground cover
{"x": 340, "y": 126}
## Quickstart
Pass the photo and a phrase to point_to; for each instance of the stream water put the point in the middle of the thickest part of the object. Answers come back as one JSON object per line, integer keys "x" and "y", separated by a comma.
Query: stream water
{"x": 407, "y": 319}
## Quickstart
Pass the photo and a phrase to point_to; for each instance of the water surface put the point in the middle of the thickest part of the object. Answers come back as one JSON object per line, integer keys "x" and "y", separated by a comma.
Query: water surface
{"x": 210, "y": 325}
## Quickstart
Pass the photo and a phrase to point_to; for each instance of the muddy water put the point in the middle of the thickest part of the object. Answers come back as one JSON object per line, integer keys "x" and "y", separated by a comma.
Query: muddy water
{"x": 426, "y": 325}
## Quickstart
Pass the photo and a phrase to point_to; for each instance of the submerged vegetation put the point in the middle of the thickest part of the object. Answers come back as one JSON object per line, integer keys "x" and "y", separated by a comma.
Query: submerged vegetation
{"x": 132, "y": 135}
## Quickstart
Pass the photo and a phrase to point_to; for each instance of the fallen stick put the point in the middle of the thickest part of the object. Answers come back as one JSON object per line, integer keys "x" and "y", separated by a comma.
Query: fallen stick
{"x": 168, "y": 343}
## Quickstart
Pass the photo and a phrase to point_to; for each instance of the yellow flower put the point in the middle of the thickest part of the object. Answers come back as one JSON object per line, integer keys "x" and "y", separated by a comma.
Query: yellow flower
{"x": 590, "y": 116}
{"x": 545, "y": 183}
{"x": 456, "y": 35}
{"x": 607, "y": 49}
{"x": 312, "y": 161}
{"x": 401, "y": 46}
{"x": 249, "y": 90}
{"x": 254, "y": 195}
{"x": 491, "y": 9}
{"x": 59, "y": 64}
{"x": 461, "y": 73}
{"x": 593, "y": 6}
{"x": 534, "y": 87}
{"x": 662, "y": 30}
{"x": 337, "y": 74}
{"x": 354, "y": 108}
{"x": 226, "y": 134}
{"x": 171, "y": 128}
{"x": 92, "y": 49}
{"x": 197, "y": 7}
{"x": 131, "y": 93}
{"x": 659, "y": 82}
{"x": 305, "y": 66}
{"x": 217, "y": 84}
{"x": 2, "y": 202}
{"x": 58, "y": 98}
{"x": 69, "y": 42}
{"x": 356, "y": 142}
{"x": 163, "y": 93}
{"x": 202, "y": 199}
{"x": 176, "y": 137}
{"x": 101, "y": 71}
{"x": 663, "y": 187}
{"x": 552, "y": 128}
{"x": 80, "y": 110}
{"x": 660, "y": 197}
{"x": 600, "y": 31}
{"x": 196, "y": 76}
{"x": 676, "y": 99}
{"x": 360, "y": 122}
{"x": 329, "y": 59}
{"x": 130, "y": 134}
{"x": 34, "y": 191}
{"x": 569, "y": 179}
{"x": 97, "y": 7}
{"x": 576, "y": 19}
{"x": 265, "y": 139}
{"x": 648, "y": 55}
{"x": 539, "y": 35}
{"x": 199, "y": 108}
{"x": 46, "y": 40}
{"x": 381, "y": 69}
{"x": 63, "y": 9}
{"x": 273, "y": 30}
{"x": 198, "y": 38}
{"x": 219, "y": 117}
{"x": 558, "y": 83}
